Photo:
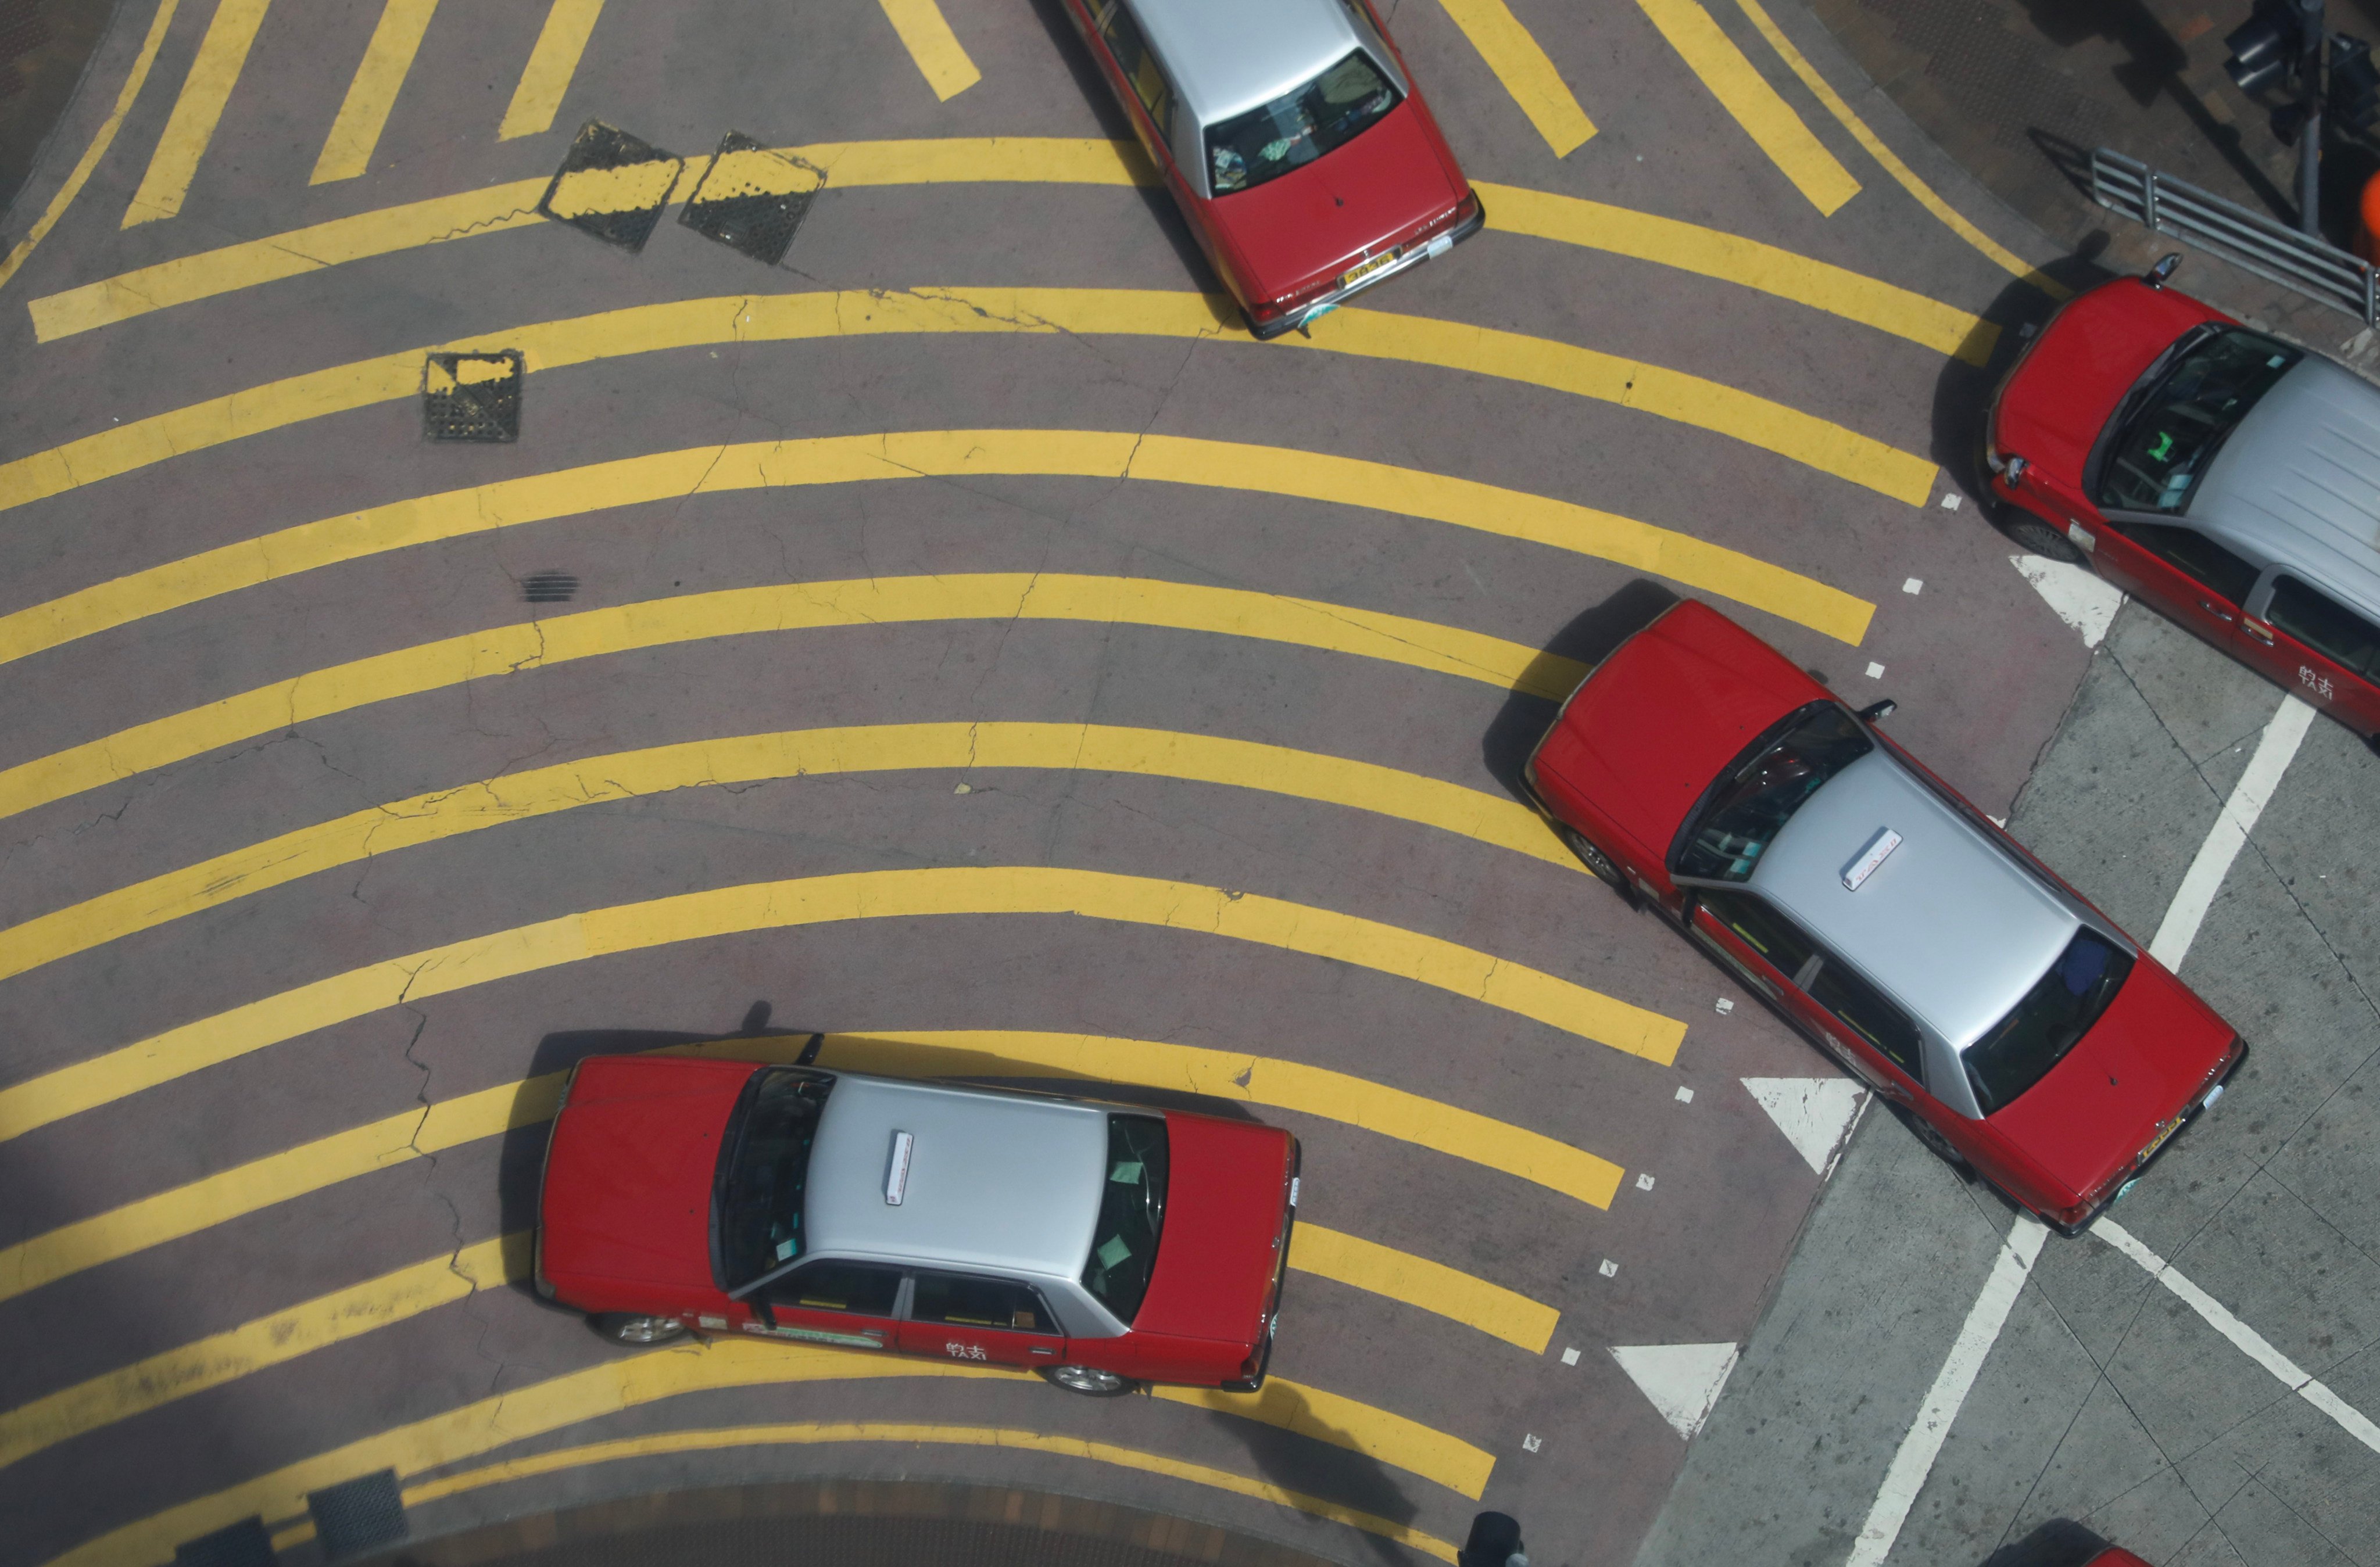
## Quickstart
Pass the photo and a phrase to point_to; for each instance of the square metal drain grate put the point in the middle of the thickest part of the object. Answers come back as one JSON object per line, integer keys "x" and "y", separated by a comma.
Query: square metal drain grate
{"x": 244, "y": 1544}
{"x": 751, "y": 200}
{"x": 473, "y": 396}
{"x": 358, "y": 1515}
{"x": 612, "y": 186}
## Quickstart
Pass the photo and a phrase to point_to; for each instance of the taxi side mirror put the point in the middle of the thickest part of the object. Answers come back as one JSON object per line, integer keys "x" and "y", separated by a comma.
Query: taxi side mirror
{"x": 1877, "y": 712}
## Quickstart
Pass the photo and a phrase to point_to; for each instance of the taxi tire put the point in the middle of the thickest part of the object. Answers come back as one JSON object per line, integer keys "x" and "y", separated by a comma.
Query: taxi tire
{"x": 1600, "y": 862}
{"x": 2030, "y": 531}
{"x": 1939, "y": 1145}
{"x": 1089, "y": 1380}
{"x": 633, "y": 1332}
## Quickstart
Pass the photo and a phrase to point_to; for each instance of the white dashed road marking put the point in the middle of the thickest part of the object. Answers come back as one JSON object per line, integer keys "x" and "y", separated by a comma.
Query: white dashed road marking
{"x": 2225, "y": 839}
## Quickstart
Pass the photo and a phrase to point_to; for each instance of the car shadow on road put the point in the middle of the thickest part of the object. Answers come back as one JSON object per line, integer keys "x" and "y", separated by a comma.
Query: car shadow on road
{"x": 1297, "y": 1450}
{"x": 2061, "y": 1542}
{"x": 1588, "y": 639}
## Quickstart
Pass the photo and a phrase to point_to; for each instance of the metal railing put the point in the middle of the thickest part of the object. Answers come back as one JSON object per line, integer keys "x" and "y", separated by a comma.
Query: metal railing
{"x": 2265, "y": 247}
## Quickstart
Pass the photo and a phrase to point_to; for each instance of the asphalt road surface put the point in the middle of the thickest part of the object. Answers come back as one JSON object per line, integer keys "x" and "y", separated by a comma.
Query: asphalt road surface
{"x": 962, "y": 639}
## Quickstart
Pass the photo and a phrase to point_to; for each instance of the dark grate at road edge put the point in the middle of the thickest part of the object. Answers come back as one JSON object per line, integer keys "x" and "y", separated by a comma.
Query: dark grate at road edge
{"x": 245, "y": 1544}
{"x": 612, "y": 186}
{"x": 358, "y": 1515}
{"x": 473, "y": 396}
{"x": 751, "y": 200}
{"x": 549, "y": 587}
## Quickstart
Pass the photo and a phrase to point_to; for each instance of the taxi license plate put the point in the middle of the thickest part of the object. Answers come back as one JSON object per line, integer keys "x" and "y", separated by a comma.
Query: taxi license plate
{"x": 1358, "y": 272}
{"x": 2159, "y": 1142}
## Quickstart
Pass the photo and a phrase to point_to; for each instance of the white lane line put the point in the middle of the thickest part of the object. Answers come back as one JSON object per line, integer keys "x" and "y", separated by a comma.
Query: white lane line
{"x": 1924, "y": 1443}
{"x": 2223, "y": 841}
{"x": 2247, "y": 1340}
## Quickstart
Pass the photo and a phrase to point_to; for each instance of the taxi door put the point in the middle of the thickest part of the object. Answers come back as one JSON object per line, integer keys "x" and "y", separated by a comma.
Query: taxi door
{"x": 850, "y": 1305}
{"x": 2310, "y": 643}
{"x": 1767, "y": 952}
{"x": 968, "y": 1317}
{"x": 2178, "y": 570}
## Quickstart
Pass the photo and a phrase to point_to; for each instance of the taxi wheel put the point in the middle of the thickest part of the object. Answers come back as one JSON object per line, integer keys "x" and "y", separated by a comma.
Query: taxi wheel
{"x": 1939, "y": 1145}
{"x": 635, "y": 1331}
{"x": 2042, "y": 539}
{"x": 1595, "y": 860}
{"x": 1089, "y": 1380}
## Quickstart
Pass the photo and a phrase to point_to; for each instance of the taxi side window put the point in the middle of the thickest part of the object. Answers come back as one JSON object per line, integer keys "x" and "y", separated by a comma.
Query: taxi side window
{"x": 863, "y": 1289}
{"x": 967, "y": 1302}
{"x": 1867, "y": 1012}
{"x": 1761, "y": 928}
{"x": 2196, "y": 556}
{"x": 1140, "y": 66}
{"x": 2330, "y": 629}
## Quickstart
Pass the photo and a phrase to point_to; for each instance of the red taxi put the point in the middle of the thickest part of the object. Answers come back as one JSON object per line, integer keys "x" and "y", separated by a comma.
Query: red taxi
{"x": 1101, "y": 1245}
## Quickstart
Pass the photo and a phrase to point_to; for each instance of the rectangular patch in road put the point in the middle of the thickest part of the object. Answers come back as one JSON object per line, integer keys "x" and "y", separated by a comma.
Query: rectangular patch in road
{"x": 752, "y": 200}
{"x": 473, "y": 396}
{"x": 612, "y": 186}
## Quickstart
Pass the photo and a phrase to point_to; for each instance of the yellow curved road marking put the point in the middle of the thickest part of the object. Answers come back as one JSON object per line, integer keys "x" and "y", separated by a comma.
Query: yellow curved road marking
{"x": 927, "y": 35}
{"x": 101, "y": 141}
{"x": 1746, "y": 95}
{"x": 1433, "y": 1286}
{"x": 864, "y": 894}
{"x": 1010, "y": 1439}
{"x": 442, "y": 1441}
{"x": 1520, "y": 62}
{"x": 552, "y": 61}
{"x": 856, "y": 459}
{"x": 421, "y": 1131}
{"x": 965, "y": 748}
{"x": 223, "y": 54}
{"x": 283, "y": 1336}
{"x": 744, "y": 611}
{"x": 371, "y": 92}
{"x": 1559, "y": 366}
{"x": 2001, "y": 257}
{"x": 1712, "y": 253}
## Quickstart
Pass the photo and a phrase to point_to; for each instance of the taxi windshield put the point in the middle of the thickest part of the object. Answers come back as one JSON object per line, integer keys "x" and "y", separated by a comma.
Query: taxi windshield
{"x": 1751, "y": 803}
{"x": 1132, "y": 1213}
{"x": 2020, "y": 1048}
{"x": 2169, "y": 438}
{"x": 1330, "y": 111}
{"x": 765, "y": 1170}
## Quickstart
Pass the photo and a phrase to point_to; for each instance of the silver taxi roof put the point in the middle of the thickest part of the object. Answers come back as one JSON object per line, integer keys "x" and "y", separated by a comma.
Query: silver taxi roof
{"x": 1950, "y": 926}
{"x": 996, "y": 1181}
{"x": 1228, "y": 57}
{"x": 2298, "y": 484}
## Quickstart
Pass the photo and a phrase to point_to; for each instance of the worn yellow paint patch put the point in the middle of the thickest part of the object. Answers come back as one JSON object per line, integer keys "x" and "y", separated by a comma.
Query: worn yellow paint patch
{"x": 1520, "y": 62}
{"x": 871, "y": 895}
{"x": 1765, "y": 117}
{"x": 197, "y": 108}
{"x": 552, "y": 61}
{"x": 631, "y": 187}
{"x": 442, "y": 1441}
{"x": 759, "y": 172}
{"x": 789, "y": 607}
{"x": 1855, "y": 296}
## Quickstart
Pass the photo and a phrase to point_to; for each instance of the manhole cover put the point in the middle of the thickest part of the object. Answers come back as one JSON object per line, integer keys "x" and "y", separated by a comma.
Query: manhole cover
{"x": 752, "y": 200}
{"x": 612, "y": 186}
{"x": 473, "y": 396}
{"x": 358, "y": 1515}
{"x": 244, "y": 1544}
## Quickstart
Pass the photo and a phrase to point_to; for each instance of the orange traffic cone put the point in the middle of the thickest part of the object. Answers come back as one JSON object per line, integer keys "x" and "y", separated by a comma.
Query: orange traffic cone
{"x": 2367, "y": 221}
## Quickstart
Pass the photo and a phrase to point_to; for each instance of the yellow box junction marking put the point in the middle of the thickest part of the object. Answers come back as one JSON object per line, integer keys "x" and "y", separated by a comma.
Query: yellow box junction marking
{"x": 1522, "y": 66}
{"x": 2000, "y": 256}
{"x": 1597, "y": 225}
{"x": 931, "y": 44}
{"x": 284, "y": 1336}
{"x": 724, "y": 1439}
{"x": 1433, "y": 1286}
{"x": 628, "y": 1383}
{"x": 1424, "y": 1121}
{"x": 551, "y": 62}
{"x": 790, "y": 607}
{"x": 363, "y": 113}
{"x": 216, "y": 71}
{"x": 101, "y": 141}
{"x": 965, "y": 748}
{"x": 1746, "y": 95}
{"x": 866, "y": 895}
{"x": 1560, "y": 366}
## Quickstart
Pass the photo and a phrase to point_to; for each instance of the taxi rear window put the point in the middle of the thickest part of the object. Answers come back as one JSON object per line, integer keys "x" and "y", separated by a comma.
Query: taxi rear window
{"x": 1132, "y": 1215}
{"x": 1330, "y": 111}
{"x": 2020, "y": 1048}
